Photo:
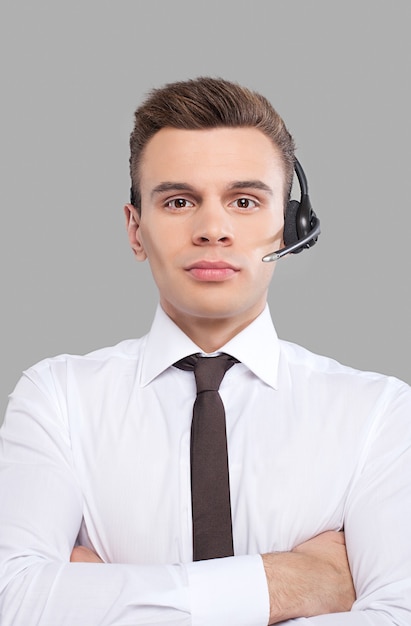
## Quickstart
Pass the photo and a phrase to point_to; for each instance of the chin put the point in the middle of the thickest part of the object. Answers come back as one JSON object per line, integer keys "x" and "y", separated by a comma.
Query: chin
{"x": 216, "y": 309}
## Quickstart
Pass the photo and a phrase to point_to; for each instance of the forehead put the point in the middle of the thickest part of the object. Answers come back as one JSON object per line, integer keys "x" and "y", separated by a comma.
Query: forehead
{"x": 210, "y": 154}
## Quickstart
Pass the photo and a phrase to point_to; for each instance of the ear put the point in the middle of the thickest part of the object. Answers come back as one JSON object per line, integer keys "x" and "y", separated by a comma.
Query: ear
{"x": 133, "y": 231}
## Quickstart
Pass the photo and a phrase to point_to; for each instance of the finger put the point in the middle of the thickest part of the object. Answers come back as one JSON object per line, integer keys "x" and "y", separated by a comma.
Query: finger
{"x": 81, "y": 554}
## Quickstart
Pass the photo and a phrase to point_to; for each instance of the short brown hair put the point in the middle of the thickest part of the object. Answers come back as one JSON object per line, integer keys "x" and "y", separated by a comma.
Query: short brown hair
{"x": 206, "y": 103}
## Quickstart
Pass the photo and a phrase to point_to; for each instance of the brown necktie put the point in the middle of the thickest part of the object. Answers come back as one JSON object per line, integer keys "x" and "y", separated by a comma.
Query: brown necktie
{"x": 210, "y": 488}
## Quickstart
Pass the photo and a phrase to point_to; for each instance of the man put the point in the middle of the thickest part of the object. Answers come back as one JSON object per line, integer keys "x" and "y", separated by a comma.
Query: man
{"x": 95, "y": 450}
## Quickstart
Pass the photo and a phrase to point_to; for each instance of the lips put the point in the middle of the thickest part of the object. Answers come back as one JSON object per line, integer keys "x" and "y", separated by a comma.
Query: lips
{"x": 212, "y": 271}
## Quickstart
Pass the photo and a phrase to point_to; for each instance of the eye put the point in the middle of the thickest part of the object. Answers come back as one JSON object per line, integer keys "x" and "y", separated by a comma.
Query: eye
{"x": 245, "y": 203}
{"x": 178, "y": 203}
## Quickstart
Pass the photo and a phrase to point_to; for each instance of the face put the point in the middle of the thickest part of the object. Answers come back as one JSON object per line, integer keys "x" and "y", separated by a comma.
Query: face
{"x": 211, "y": 207}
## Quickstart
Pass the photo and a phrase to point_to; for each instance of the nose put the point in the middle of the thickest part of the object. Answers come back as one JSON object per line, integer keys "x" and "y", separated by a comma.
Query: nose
{"x": 212, "y": 226}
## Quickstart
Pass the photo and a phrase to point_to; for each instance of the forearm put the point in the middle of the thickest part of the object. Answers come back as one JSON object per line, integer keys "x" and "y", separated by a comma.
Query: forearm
{"x": 351, "y": 618}
{"x": 289, "y": 587}
{"x": 213, "y": 593}
{"x": 313, "y": 579}
{"x": 96, "y": 595}
{"x": 293, "y": 601}
{"x": 309, "y": 592}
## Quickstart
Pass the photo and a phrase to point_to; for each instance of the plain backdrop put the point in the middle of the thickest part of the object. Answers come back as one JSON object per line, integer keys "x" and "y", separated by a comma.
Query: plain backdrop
{"x": 72, "y": 74}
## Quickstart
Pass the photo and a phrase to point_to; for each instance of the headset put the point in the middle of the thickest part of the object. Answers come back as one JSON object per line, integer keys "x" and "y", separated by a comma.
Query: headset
{"x": 301, "y": 225}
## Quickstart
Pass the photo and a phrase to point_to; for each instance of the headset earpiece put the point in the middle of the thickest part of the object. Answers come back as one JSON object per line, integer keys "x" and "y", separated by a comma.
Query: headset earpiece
{"x": 305, "y": 217}
{"x": 300, "y": 219}
{"x": 290, "y": 223}
{"x": 301, "y": 225}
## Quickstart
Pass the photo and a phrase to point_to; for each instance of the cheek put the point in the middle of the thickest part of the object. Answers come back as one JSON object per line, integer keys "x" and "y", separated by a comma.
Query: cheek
{"x": 268, "y": 232}
{"x": 150, "y": 241}
{"x": 265, "y": 272}
{"x": 162, "y": 236}
{"x": 162, "y": 252}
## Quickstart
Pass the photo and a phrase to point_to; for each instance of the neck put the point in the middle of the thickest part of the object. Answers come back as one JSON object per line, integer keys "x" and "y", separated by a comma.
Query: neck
{"x": 210, "y": 334}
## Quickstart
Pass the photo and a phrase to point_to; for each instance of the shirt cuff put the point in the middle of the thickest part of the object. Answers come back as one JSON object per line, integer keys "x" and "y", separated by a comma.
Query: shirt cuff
{"x": 231, "y": 590}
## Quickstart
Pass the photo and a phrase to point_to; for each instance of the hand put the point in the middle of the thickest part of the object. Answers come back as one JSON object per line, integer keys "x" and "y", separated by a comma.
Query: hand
{"x": 81, "y": 554}
{"x": 313, "y": 579}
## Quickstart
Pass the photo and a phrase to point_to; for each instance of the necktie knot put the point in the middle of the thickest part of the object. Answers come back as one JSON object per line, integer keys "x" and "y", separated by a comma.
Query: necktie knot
{"x": 208, "y": 371}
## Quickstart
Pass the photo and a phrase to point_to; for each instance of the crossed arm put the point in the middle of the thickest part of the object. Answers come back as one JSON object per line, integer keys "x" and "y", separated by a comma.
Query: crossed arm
{"x": 313, "y": 579}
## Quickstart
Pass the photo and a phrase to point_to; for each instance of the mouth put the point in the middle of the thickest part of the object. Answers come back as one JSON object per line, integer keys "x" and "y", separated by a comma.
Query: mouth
{"x": 212, "y": 271}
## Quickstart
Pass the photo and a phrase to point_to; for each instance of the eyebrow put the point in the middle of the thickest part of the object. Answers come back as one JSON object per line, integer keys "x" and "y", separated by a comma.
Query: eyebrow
{"x": 169, "y": 186}
{"x": 237, "y": 184}
{"x": 250, "y": 184}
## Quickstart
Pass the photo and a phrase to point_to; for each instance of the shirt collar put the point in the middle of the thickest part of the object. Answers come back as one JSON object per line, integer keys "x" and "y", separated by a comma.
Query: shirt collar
{"x": 257, "y": 347}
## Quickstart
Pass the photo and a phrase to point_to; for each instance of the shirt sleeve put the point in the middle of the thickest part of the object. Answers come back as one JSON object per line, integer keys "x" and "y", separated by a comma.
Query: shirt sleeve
{"x": 40, "y": 516}
{"x": 377, "y": 521}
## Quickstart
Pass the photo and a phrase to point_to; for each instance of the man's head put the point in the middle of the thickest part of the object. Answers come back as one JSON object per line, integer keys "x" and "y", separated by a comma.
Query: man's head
{"x": 206, "y": 103}
{"x": 212, "y": 165}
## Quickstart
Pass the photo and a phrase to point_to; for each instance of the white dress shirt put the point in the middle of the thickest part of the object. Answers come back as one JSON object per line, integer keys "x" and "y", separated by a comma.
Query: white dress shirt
{"x": 97, "y": 448}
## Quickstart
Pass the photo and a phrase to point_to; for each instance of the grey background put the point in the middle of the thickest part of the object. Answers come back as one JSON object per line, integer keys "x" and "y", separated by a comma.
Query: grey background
{"x": 72, "y": 74}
